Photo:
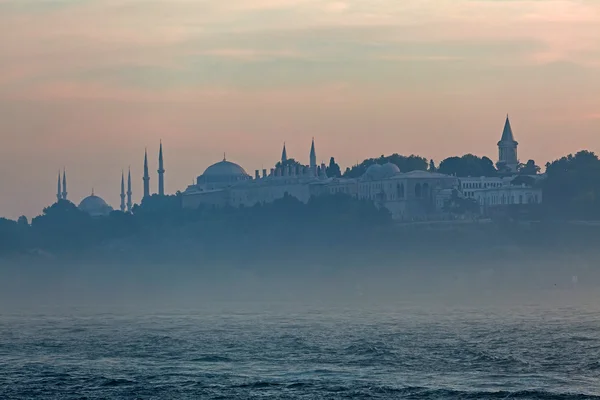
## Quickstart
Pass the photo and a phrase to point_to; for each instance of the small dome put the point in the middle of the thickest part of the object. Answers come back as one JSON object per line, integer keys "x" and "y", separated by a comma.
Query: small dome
{"x": 389, "y": 169}
{"x": 95, "y": 206}
{"x": 374, "y": 170}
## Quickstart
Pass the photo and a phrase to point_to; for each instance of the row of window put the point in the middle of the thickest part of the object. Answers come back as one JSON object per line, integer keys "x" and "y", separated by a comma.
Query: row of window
{"x": 481, "y": 185}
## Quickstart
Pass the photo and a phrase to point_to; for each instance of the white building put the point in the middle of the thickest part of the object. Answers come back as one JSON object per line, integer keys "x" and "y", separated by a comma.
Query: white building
{"x": 408, "y": 196}
{"x": 492, "y": 192}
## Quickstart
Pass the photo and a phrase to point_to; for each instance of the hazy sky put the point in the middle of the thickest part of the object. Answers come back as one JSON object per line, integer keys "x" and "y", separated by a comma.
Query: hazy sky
{"x": 87, "y": 84}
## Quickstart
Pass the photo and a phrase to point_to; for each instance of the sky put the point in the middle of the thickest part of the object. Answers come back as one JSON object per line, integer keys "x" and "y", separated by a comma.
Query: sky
{"x": 88, "y": 84}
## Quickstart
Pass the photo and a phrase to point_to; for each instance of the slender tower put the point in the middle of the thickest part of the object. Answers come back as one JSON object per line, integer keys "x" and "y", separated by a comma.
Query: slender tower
{"x": 122, "y": 191}
{"x": 64, "y": 185}
{"x": 284, "y": 154}
{"x": 129, "y": 203}
{"x": 161, "y": 172}
{"x": 58, "y": 191}
{"x": 146, "y": 176}
{"x": 507, "y": 148}
{"x": 313, "y": 158}
{"x": 313, "y": 154}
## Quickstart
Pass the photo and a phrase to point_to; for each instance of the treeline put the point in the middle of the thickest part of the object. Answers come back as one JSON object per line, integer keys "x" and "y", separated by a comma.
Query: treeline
{"x": 62, "y": 227}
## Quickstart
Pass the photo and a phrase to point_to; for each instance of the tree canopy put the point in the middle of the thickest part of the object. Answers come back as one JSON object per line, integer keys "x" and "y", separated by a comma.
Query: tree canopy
{"x": 405, "y": 163}
{"x": 468, "y": 165}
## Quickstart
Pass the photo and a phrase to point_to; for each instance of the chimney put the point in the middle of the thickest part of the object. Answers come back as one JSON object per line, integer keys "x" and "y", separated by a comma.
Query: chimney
{"x": 272, "y": 172}
{"x": 264, "y": 173}
{"x": 256, "y": 175}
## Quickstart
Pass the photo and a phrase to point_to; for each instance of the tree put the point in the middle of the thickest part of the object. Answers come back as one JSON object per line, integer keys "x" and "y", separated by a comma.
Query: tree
{"x": 572, "y": 186}
{"x": 22, "y": 221}
{"x": 289, "y": 161}
{"x": 432, "y": 167}
{"x": 468, "y": 165}
{"x": 530, "y": 168}
{"x": 333, "y": 170}
{"x": 406, "y": 164}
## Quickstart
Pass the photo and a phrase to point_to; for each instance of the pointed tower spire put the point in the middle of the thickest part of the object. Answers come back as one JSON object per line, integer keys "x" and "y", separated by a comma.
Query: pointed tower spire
{"x": 507, "y": 148}
{"x": 507, "y": 133}
{"x": 64, "y": 185}
{"x": 313, "y": 158}
{"x": 146, "y": 175}
{"x": 58, "y": 189}
{"x": 129, "y": 202}
{"x": 122, "y": 191}
{"x": 161, "y": 172}
{"x": 284, "y": 154}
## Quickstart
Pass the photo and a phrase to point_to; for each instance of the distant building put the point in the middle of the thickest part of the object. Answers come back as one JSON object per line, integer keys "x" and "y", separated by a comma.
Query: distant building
{"x": 408, "y": 196}
{"x": 496, "y": 192}
{"x": 95, "y": 206}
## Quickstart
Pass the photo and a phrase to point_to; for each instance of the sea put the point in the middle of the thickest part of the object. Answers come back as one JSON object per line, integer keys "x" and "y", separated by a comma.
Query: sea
{"x": 291, "y": 351}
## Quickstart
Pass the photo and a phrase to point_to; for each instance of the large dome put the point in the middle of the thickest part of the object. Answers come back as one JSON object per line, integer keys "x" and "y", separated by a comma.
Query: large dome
{"x": 224, "y": 168}
{"x": 222, "y": 174}
{"x": 95, "y": 206}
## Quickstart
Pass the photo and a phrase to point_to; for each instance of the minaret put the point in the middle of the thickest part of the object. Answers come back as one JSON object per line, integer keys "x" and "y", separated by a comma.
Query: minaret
{"x": 58, "y": 191}
{"x": 64, "y": 185}
{"x": 161, "y": 173}
{"x": 129, "y": 203}
{"x": 122, "y": 191}
{"x": 507, "y": 148}
{"x": 146, "y": 176}
{"x": 284, "y": 154}
{"x": 313, "y": 158}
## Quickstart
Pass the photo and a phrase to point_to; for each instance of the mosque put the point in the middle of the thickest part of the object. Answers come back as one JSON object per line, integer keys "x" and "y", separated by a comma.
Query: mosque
{"x": 414, "y": 195}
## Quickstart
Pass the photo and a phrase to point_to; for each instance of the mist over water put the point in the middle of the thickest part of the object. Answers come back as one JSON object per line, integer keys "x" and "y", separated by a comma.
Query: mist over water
{"x": 400, "y": 330}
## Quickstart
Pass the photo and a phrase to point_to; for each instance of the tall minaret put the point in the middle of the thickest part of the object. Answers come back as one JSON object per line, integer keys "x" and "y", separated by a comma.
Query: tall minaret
{"x": 146, "y": 176}
{"x": 122, "y": 191}
{"x": 129, "y": 203}
{"x": 161, "y": 172}
{"x": 507, "y": 147}
{"x": 283, "y": 154}
{"x": 313, "y": 158}
{"x": 64, "y": 185}
{"x": 58, "y": 191}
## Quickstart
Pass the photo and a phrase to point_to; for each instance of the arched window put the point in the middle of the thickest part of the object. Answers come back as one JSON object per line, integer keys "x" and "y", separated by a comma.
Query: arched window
{"x": 426, "y": 190}
{"x": 418, "y": 190}
{"x": 400, "y": 190}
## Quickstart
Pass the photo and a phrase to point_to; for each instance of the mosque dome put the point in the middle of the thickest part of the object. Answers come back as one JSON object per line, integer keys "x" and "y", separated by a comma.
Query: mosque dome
{"x": 223, "y": 173}
{"x": 390, "y": 169}
{"x": 224, "y": 168}
{"x": 95, "y": 206}
{"x": 374, "y": 171}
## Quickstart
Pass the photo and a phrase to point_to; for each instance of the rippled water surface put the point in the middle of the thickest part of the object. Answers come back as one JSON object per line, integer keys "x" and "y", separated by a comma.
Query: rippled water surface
{"x": 225, "y": 353}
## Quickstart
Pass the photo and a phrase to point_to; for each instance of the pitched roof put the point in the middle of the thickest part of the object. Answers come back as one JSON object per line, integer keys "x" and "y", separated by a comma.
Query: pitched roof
{"x": 507, "y": 134}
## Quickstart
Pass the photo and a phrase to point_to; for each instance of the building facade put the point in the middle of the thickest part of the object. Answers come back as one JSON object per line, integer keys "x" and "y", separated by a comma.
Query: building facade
{"x": 408, "y": 196}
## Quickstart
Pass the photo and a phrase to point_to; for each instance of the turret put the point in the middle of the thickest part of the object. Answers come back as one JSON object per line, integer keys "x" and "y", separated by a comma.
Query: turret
{"x": 313, "y": 155}
{"x": 122, "y": 191}
{"x": 129, "y": 202}
{"x": 58, "y": 190}
{"x": 284, "y": 154}
{"x": 161, "y": 172}
{"x": 146, "y": 176}
{"x": 64, "y": 185}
